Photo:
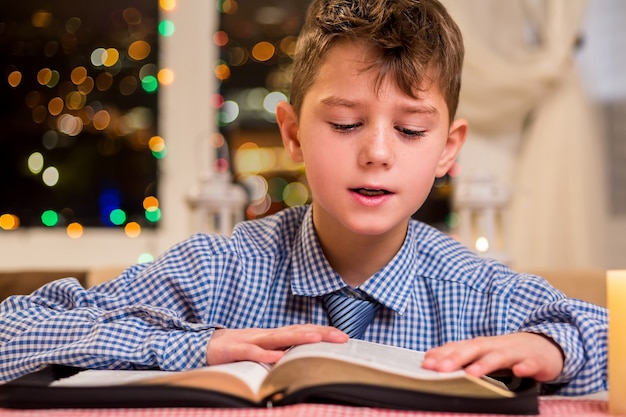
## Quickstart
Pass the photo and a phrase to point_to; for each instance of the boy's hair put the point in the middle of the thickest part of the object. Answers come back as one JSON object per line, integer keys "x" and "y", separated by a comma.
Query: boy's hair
{"x": 418, "y": 40}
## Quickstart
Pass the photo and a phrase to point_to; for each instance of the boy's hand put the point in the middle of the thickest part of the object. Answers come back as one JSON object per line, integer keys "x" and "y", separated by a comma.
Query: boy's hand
{"x": 266, "y": 345}
{"x": 526, "y": 354}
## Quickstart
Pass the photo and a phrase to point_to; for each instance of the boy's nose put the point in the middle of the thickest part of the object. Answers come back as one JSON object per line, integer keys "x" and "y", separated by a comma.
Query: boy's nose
{"x": 375, "y": 149}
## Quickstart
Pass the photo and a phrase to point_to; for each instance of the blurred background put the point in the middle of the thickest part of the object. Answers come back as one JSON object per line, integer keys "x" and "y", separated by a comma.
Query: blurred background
{"x": 126, "y": 125}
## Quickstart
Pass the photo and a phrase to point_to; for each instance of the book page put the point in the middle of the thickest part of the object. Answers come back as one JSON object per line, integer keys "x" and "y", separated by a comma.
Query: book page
{"x": 387, "y": 358}
{"x": 105, "y": 377}
{"x": 238, "y": 378}
{"x": 359, "y": 362}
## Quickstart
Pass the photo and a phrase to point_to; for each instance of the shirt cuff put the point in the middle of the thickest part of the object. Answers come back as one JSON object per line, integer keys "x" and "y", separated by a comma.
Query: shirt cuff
{"x": 568, "y": 339}
{"x": 184, "y": 350}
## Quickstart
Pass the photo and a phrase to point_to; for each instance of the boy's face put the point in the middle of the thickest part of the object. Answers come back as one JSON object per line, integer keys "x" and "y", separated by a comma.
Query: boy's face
{"x": 371, "y": 156}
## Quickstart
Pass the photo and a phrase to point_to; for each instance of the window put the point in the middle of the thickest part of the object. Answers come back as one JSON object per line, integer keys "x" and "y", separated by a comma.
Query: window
{"x": 79, "y": 137}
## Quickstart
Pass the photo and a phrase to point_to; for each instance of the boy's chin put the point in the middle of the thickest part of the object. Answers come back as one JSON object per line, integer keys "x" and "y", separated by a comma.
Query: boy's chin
{"x": 377, "y": 227}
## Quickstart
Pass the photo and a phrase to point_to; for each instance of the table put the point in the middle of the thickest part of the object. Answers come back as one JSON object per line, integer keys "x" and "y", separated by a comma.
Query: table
{"x": 592, "y": 406}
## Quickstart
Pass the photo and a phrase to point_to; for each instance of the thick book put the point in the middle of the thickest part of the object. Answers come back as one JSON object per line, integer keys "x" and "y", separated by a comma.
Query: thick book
{"x": 356, "y": 373}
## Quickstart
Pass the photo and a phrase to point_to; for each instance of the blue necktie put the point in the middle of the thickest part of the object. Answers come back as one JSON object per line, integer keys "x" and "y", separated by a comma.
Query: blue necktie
{"x": 350, "y": 314}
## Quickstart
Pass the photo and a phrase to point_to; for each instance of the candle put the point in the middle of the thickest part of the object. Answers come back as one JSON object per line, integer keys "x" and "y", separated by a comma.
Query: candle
{"x": 616, "y": 303}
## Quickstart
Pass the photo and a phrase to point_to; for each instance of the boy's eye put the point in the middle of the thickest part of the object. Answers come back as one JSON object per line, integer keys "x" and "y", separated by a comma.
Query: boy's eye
{"x": 411, "y": 133}
{"x": 406, "y": 132}
{"x": 342, "y": 127}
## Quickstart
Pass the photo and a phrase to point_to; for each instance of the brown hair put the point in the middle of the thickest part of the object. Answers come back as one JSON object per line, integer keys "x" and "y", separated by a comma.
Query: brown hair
{"x": 417, "y": 39}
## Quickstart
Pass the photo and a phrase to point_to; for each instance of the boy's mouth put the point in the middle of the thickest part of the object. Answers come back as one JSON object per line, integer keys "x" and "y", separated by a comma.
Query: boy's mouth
{"x": 370, "y": 192}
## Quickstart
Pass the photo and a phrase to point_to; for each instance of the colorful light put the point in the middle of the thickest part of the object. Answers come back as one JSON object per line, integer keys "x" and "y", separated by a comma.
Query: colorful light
{"x": 295, "y": 194}
{"x": 74, "y": 230}
{"x": 145, "y": 258}
{"x": 167, "y": 5}
{"x": 153, "y": 214}
{"x": 132, "y": 230}
{"x": 49, "y": 218}
{"x": 149, "y": 83}
{"x": 263, "y": 51}
{"x": 35, "y": 162}
{"x": 50, "y": 176}
{"x": 15, "y": 78}
{"x": 139, "y": 50}
{"x": 166, "y": 28}
{"x": 9, "y": 221}
{"x": 150, "y": 203}
{"x": 117, "y": 217}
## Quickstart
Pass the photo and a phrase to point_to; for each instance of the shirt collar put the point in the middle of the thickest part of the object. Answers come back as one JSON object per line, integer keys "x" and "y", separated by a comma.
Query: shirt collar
{"x": 312, "y": 275}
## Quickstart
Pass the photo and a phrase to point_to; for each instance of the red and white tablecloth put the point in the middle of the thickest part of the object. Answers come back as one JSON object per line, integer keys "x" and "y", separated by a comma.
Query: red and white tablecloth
{"x": 547, "y": 407}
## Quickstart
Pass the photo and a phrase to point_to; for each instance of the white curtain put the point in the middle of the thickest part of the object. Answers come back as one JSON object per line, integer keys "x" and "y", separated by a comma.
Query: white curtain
{"x": 533, "y": 130}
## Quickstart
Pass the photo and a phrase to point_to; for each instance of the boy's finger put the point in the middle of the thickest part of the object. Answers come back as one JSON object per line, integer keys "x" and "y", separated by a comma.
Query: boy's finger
{"x": 299, "y": 336}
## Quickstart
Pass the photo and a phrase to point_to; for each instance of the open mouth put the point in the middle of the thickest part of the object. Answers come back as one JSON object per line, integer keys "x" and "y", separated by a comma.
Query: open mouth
{"x": 370, "y": 192}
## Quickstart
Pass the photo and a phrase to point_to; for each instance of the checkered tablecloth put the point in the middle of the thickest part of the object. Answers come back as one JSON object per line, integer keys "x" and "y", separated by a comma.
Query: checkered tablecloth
{"x": 552, "y": 407}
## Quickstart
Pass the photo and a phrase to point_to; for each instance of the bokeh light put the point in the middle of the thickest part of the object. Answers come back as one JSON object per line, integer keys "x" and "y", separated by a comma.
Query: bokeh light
{"x": 35, "y": 162}
{"x": 150, "y": 203}
{"x": 482, "y": 244}
{"x": 117, "y": 217}
{"x": 167, "y": 5}
{"x": 9, "y": 221}
{"x": 50, "y": 218}
{"x": 256, "y": 185}
{"x": 288, "y": 45}
{"x": 74, "y": 230}
{"x": 227, "y": 6}
{"x": 222, "y": 72}
{"x": 50, "y": 176}
{"x": 149, "y": 83}
{"x": 139, "y": 50}
{"x": 263, "y": 51}
{"x": 15, "y": 78}
{"x": 166, "y": 28}
{"x": 145, "y": 258}
{"x": 165, "y": 76}
{"x": 252, "y": 159}
{"x": 153, "y": 214}
{"x": 41, "y": 19}
{"x": 97, "y": 57}
{"x": 229, "y": 112}
{"x": 220, "y": 38}
{"x": 295, "y": 194}
{"x": 272, "y": 99}
{"x": 110, "y": 57}
{"x": 78, "y": 75}
{"x": 132, "y": 229}
{"x": 73, "y": 24}
{"x": 156, "y": 144}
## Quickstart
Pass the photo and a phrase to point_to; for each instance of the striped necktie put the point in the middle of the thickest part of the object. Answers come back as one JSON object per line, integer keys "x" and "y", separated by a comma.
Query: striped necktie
{"x": 350, "y": 314}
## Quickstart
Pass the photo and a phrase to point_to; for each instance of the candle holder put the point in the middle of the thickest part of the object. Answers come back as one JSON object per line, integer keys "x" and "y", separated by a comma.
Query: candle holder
{"x": 480, "y": 201}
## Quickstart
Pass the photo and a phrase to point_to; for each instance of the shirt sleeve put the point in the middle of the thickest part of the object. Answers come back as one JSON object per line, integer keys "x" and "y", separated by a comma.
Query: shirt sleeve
{"x": 144, "y": 318}
{"x": 578, "y": 327}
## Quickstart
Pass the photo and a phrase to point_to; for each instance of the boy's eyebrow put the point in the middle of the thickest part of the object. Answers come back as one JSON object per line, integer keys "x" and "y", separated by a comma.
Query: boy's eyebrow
{"x": 342, "y": 102}
{"x": 339, "y": 102}
{"x": 422, "y": 109}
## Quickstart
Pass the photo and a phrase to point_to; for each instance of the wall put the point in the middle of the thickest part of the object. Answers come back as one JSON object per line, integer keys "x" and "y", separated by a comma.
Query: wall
{"x": 602, "y": 63}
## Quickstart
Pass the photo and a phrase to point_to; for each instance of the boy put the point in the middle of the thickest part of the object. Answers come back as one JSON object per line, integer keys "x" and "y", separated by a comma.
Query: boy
{"x": 374, "y": 94}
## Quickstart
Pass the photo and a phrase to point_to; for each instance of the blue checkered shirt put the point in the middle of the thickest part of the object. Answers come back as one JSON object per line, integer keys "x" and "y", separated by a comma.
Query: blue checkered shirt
{"x": 272, "y": 272}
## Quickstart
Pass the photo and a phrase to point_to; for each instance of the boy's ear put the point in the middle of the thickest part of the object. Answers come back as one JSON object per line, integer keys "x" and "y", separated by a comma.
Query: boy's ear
{"x": 454, "y": 143}
{"x": 288, "y": 125}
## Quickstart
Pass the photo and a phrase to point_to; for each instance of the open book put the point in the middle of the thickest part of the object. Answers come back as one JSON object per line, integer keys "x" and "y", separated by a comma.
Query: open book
{"x": 355, "y": 373}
